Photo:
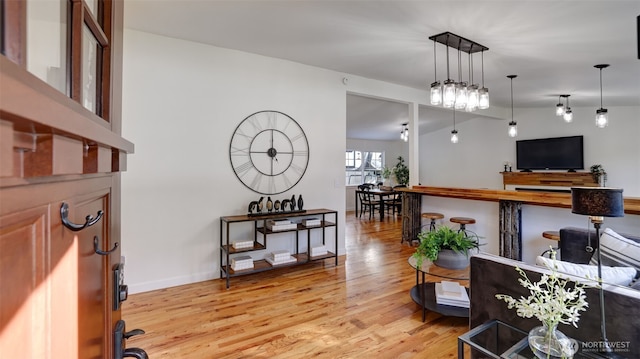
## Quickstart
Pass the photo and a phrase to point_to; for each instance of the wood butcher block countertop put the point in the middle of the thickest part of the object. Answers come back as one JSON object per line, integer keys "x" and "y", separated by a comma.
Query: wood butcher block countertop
{"x": 539, "y": 198}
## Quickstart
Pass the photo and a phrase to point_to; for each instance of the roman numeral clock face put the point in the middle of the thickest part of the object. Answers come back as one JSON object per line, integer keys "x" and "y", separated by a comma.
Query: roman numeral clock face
{"x": 269, "y": 152}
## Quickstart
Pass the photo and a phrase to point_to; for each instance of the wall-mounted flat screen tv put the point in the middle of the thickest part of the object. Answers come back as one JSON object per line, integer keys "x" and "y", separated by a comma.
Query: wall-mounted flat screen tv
{"x": 557, "y": 153}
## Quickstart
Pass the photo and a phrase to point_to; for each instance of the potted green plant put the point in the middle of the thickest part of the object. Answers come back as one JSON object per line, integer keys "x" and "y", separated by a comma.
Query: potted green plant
{"x": 446, "y": 247}
{"x": 599, "y": 175}
{"x": 401, "y": 171}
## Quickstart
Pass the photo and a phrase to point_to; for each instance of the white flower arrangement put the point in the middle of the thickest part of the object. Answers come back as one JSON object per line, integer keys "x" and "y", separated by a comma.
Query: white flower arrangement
{"x": 551, "y": 300}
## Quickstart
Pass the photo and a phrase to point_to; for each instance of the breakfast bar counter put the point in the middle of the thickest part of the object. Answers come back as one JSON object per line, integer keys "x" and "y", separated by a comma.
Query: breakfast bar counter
{"x": 510, "y": 203}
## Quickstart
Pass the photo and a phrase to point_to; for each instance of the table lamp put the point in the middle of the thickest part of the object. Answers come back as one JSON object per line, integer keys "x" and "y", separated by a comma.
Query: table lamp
{"x": 597, "y": 203}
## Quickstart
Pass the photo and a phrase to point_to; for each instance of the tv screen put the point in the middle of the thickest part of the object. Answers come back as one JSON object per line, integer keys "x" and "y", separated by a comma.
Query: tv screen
{"x": 558, "y": 153}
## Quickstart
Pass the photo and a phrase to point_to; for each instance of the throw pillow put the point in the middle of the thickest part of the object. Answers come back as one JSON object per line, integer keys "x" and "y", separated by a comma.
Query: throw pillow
{"x": 610, "y": 275}
{"x": 617, "y": 251}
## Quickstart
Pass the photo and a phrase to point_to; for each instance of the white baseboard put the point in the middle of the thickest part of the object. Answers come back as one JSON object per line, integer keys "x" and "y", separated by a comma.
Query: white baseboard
{"x": 172, "y": 282}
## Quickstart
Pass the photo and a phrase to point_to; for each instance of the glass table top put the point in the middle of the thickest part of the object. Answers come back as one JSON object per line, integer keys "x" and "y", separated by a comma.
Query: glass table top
{"x": 431, "y": 269}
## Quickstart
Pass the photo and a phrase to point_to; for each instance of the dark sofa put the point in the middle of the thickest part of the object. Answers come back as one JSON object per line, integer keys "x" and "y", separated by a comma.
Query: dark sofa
{"x": 574, "y": 241}
{"x": 491, "y": 275}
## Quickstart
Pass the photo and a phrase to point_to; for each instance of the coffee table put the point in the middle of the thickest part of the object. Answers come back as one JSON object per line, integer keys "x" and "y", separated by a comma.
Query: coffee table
{"x": 424, "y": 292}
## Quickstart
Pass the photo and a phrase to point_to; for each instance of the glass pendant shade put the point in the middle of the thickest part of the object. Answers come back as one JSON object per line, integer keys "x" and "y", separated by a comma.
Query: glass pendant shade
{"x": 454, "y": 136}
{"x": 406, "y": 134}
{"x": 513, "y": 129}
{"x": 461, "y": 95}
{"x": 436, "y": 93}
{"x": 449, "y": 94}
{"x": 402, "y": 135}
{"x": 473, "y": 98}
{"x": 602, "y": 119}
{"x": 568, "y": 115}
{"x": 483, "y": 102}
{"x": 559, "y": 109}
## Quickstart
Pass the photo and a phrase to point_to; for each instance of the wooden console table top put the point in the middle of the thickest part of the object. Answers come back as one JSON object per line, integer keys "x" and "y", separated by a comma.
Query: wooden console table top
{"x": 539, "y": 198}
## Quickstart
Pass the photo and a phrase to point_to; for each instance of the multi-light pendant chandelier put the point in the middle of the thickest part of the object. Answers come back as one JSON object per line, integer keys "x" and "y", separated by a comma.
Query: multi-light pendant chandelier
{"x": 460, "y": 94}
{"x": 564, "y": 111}
{"x": 404, "y": 132}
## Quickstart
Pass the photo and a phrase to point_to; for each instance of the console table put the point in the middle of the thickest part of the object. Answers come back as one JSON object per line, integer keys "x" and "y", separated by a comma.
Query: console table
{"x": 227, "y": 251}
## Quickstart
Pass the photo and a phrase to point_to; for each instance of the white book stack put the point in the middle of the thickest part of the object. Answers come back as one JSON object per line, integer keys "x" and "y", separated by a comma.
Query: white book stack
{"x": 311, "y": 222}
{"x": 280, "y": 257}
{"x": 452, "y": 293}
{"x": 318, "y": 251}
{"x": 280, "y": 225}
{"x": 241, "y": 263}
{"x": 242, "y": 244}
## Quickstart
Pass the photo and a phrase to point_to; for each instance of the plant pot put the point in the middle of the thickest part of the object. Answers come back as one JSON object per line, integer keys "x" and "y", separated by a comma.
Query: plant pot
{"x": 450, "y": 259}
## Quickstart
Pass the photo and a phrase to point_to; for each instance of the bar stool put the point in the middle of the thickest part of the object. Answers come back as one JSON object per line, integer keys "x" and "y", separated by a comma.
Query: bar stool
{"x": 463, "y": 221}
{"x": 432, "y": 216}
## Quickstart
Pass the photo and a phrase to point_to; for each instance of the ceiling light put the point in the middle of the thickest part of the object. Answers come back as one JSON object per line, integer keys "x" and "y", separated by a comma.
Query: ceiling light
{"x": 560, "y": 106}
{"x": 483, "y": 103}
{"x": 513, "y": 125}
{"x": 568, "y": 114}
{"x": 454, "y": 133}
{"x": 602, "y": 119}
{"x": 404, "y": 132}
{"x": 436, "y": 87}
{"x": 459, "y": 93}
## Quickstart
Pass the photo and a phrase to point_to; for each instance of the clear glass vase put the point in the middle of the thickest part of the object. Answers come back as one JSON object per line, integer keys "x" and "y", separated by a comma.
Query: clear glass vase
{"x": 547, "y": 342}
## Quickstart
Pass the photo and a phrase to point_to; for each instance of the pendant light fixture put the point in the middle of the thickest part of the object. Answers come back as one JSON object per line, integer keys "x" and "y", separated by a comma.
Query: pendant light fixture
{"x": 454, "y": 132}
{"x": 449, "y": 87}
{"x": 436, "y": 87}
{"x": 483, "y": 103}
{"x": 472, "y": 96}
{"x": 461, "y": 86}
{"x": 404, "y": 132}
{"x": 602, "y": 118}
{"x": 560, "y": 106}
{"x": 513, "y": 125}
{"x": 460, "y": 89}
{"x": 568, "y": 114}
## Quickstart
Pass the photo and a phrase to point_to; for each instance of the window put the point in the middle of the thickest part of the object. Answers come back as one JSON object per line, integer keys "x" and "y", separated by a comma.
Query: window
{"x": 65, "y": 43}
{"x": 363, "y": 167}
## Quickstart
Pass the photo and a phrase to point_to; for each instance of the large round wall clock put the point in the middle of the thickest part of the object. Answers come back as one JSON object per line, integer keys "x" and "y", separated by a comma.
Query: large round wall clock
{"x": 269, "y": 152}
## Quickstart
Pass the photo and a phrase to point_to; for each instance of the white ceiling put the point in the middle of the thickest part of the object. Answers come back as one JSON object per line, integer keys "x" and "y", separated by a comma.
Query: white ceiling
{"x": 551, "y": 45}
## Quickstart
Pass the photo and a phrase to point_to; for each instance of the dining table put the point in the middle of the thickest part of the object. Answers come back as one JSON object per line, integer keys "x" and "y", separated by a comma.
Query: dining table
{"x": 380, "y": 193}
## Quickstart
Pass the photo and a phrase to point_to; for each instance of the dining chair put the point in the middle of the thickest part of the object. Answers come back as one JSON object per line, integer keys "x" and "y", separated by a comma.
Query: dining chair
{"x": 368, "y": 201}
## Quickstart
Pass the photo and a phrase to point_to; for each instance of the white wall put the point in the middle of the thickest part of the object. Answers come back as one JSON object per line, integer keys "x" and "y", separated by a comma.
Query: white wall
{"x": 182, "y": 102}
{"x": 475, "y": 162}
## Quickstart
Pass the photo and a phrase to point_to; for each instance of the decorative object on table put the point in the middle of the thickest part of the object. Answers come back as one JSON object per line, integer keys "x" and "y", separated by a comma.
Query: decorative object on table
{"x": 319, "y": 251}
{"x": 276, "y": 225}
{"x": 269, "y": 205}
{"x": 401, "y": 172}
{"x": 300, "y": 202}
{"x": 276, "y": 205}
{"x": 597, "y": 203}
{"x": 241, "y": 263}
{"x": 285, "y": 203}
{"x": 451, "y": 293}
{"x": 269, "y": 152}
{"x": 446, "y": 247}
{"x": 280, "y": 257}
{"x": 260, "y": 204}
{"x": 599, "y": 175}
{"x": 293, "y": 202}
{"x": 552, "y": 300}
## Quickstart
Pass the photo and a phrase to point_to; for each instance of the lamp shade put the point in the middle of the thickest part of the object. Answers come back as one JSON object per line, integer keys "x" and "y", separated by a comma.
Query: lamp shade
{"x": 597, "y": 201}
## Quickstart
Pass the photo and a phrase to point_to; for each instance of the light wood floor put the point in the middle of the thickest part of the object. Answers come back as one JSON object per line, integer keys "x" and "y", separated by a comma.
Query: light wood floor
{"x": 359, "y": 309}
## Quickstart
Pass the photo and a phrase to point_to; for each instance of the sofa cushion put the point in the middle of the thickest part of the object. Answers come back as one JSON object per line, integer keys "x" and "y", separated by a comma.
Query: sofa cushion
{"x": 617, "y": 251}
{"x": 610, "y": 275}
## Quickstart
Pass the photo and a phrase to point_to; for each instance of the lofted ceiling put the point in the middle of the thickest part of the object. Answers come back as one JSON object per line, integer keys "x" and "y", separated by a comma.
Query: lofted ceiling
{"x": 551, "y": 45}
